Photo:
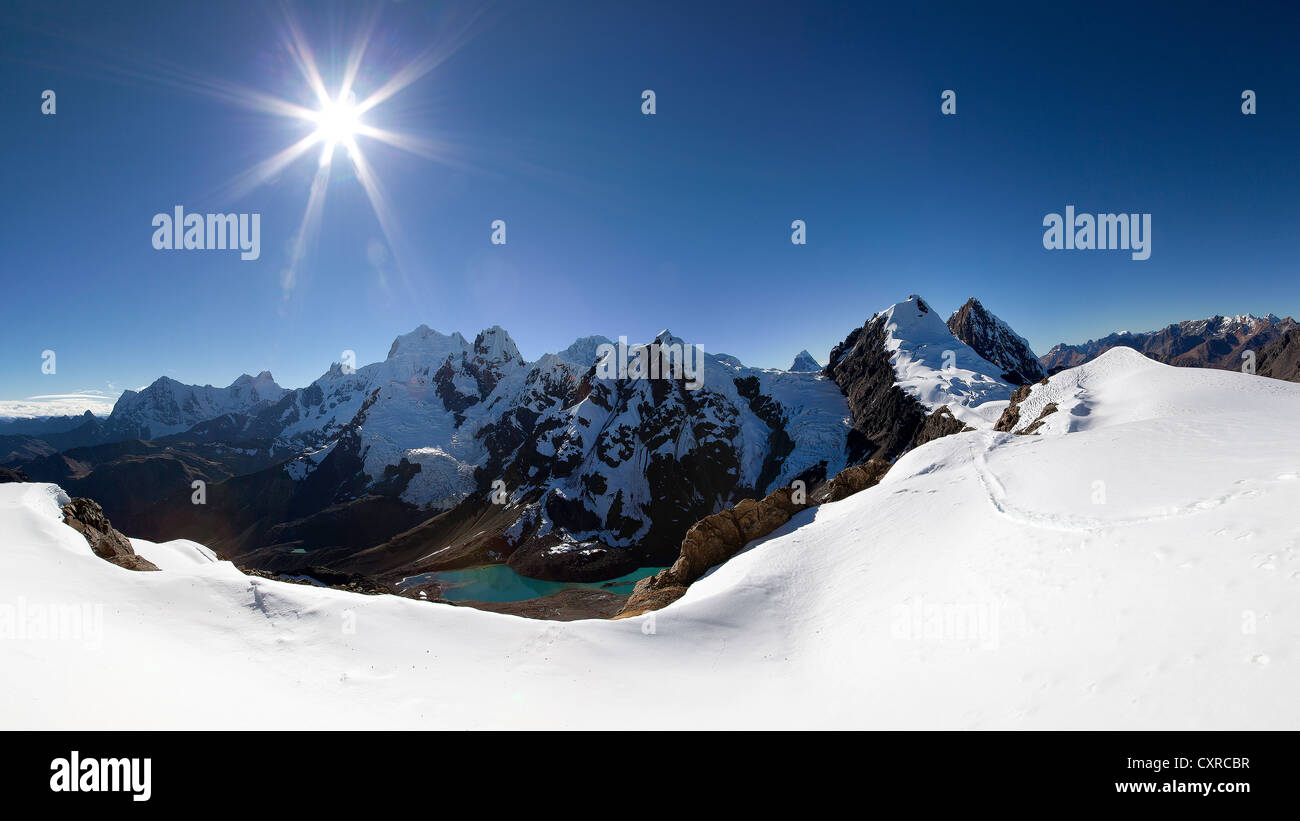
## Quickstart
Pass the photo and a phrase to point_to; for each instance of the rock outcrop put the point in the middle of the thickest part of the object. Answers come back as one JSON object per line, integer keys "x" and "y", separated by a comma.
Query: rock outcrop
{"x": 1280, "y": 358}
{"x": 716, "y": 538}
{"x": 87, "y": 518}
{"x": 852, "y": 480}
{"x": 885, "y": 417}
{"x": 994, "y": 340}
{"x": 1048, "y": 409}
{"x": 9, "y": 475}
{"x": 1011, "y": 415}
{"x": 937, "y": 425}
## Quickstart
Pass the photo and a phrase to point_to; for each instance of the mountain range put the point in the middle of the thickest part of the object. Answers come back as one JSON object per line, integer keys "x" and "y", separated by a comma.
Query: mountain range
{"x": 1216, "y": 342}
{"x": 1129, "y": 563}
{"x": 452, "y": 454}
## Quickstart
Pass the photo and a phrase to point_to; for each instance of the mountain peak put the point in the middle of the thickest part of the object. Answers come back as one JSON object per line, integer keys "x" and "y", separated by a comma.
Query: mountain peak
{"x": 994, "y": 340}
{"x": 262, "y": 380}
{"x": 666, "y": 337}
{"x": 495, "y": 345}
{"x": 804, "y": 362}
{"x": 425, "y": 342}
{"x": 582, "y": 353}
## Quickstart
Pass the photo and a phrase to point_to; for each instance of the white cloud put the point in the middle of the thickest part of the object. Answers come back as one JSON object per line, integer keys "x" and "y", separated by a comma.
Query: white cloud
{"x": 57, "y": 404}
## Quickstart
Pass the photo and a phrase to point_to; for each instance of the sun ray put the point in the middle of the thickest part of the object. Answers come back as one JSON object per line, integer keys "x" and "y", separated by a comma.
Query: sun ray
{"x": 435, "y": 55}
{"x": 358, "y": 52}
{"x": 337, "y": 121}
{"x": 267, "y": 169}
{"x": 302, "y": 55}
{"x": 307, "y": 229}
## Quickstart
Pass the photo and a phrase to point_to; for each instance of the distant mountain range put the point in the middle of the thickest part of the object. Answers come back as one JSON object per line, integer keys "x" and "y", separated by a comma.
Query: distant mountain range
{"x": 1215, "y": 342}
{"x": 451, "y": 453}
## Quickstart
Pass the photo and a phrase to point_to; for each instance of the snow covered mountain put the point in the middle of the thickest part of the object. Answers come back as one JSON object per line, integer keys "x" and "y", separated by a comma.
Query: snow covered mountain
{"x": 908, "y": 380}
{"x": 605, "y": 474}
{"x": 935, "y": 366}
{"x": 804, "y": 362}
{"x": 168, "y": 406}
{"x": 1216, "y": 342}
{"x": 1133, "y": 565}
{"x": 994, "y": 340}
{"x": 601, "y": 474}
{"x": 451, "y": 453}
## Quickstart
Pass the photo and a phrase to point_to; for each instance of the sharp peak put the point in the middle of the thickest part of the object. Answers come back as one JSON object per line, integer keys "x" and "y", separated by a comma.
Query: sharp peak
{"x": 914, "y": 301}
{"x": 804, "y": 359}
{"x": 922, "y": 305}
{"x": 497, "y": 340}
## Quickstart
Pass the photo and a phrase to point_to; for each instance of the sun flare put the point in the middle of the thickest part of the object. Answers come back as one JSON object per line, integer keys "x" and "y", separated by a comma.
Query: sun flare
{"x": 337, "y": 121}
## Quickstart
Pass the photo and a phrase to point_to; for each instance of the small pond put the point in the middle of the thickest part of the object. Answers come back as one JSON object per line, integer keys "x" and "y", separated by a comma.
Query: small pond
{"x": 499, "y": 583}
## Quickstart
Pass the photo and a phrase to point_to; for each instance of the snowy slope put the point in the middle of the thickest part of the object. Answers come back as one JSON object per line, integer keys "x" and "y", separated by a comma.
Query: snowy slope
{"x": 985, "y": 583}
{"x": 937, "y": 368}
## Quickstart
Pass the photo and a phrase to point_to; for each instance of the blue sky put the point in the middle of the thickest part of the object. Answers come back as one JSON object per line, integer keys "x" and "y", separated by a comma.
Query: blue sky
{"x": 620, "y": 223}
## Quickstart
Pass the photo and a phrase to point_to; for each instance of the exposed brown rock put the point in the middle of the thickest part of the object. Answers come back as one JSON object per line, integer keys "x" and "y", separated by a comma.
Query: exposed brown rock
{"x": 1048, "y": 410}
{"x": 8, "y": 475}
{"x": 937, "y": 425}
{"x": 653, "y": 593}
{"x": 1280, "y": 358}
{"x": 715, "y": 539}
{"x": 852, "y": 480}
{"x": 995, "y": 341}
{"x": 1011, "y": 416}
{"x": 87, "y": 518}
{"x": 1216, "y": 342}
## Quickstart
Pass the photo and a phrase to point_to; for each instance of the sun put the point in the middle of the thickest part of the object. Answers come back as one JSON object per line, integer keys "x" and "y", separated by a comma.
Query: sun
{"x": 333, "y": 120}
{"x": 338, "y": 121}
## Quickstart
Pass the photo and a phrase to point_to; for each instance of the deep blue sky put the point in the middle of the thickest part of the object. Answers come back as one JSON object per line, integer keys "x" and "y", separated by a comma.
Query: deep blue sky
{"x": 622, "y": 224}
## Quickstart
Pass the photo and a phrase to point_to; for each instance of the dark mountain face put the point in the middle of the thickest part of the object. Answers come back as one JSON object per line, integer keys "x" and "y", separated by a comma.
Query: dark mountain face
{"x": 1217, "y": 342}
{"x": 53, "y": 435}
{"x": 994, "y": 340}
{"x": 1280, "y": 358}
{"x": 885, "y": 418}
{"x": 131, "y": 477}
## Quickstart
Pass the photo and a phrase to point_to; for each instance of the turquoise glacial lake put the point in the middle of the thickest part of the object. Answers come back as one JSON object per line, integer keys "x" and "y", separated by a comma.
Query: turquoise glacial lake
{"x": 498, "y": 583}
